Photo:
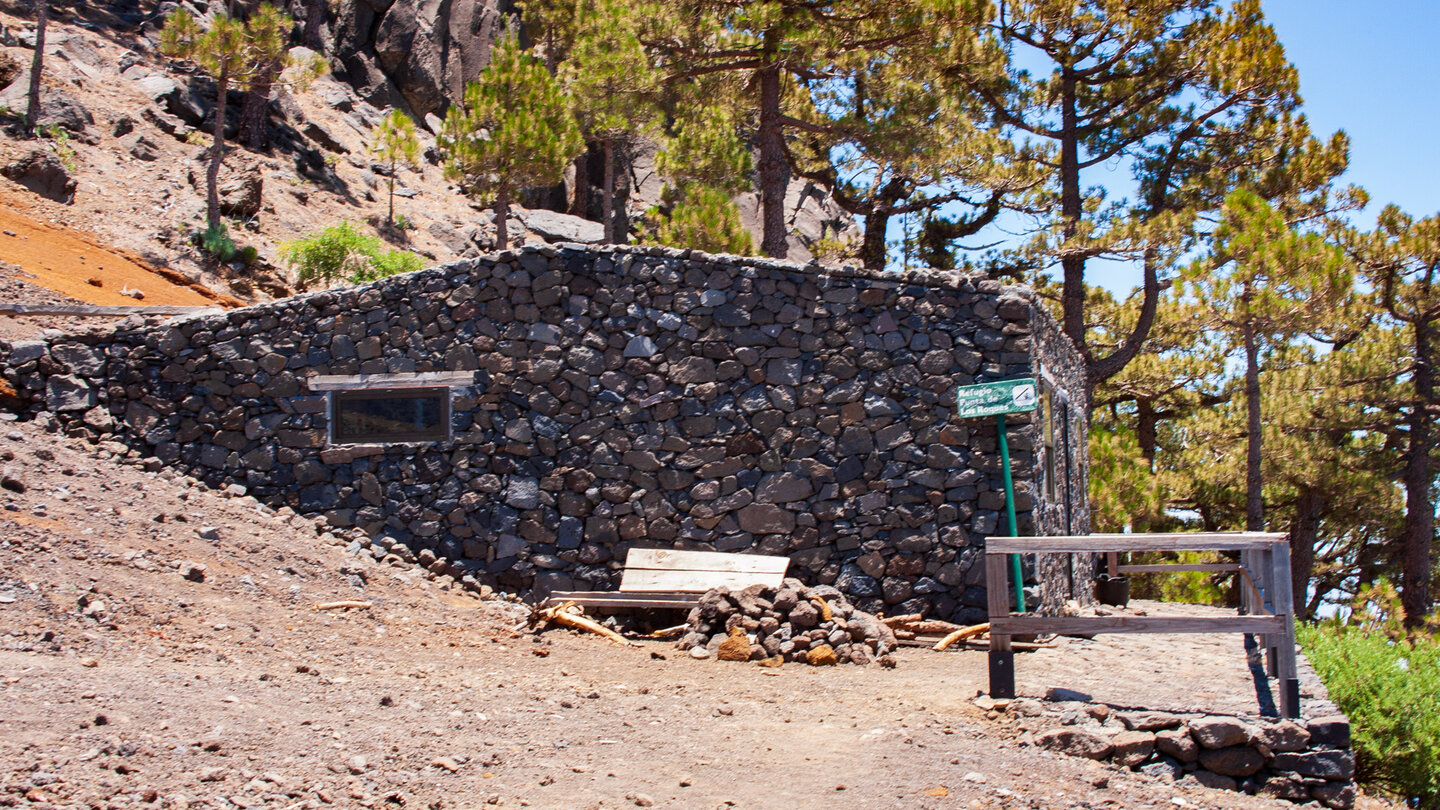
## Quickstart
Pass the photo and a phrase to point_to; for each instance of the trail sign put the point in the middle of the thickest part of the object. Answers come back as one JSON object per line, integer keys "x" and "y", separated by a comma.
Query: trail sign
{"x": 997, "y": 398}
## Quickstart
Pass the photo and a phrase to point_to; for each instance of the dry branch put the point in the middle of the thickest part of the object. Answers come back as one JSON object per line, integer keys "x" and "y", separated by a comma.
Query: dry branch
{"x": 905, "y": 619}
{"x": 343, "y": 604}
{"x": 960, "y": 635}
{"x": 569, "y": 615}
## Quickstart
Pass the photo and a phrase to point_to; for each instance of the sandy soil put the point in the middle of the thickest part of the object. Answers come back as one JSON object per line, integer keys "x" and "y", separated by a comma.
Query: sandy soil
{"x": 69, "y": 262}
{"x": 125, "y": 684}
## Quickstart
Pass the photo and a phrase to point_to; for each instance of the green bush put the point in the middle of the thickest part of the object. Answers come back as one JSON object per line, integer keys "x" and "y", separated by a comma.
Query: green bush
{"x": 342, "y": 252}
{"x": 216, "y": 242}
{"x": 389, "y": 263}
{"x": 1390, "y": 688}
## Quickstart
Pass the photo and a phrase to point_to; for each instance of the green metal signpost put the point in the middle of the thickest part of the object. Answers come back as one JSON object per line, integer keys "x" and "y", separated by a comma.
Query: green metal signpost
{"x": 998, "y": 399}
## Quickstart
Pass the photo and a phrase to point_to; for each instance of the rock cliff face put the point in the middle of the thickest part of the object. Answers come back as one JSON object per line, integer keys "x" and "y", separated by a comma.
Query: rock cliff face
{"x": 421, "y": 51}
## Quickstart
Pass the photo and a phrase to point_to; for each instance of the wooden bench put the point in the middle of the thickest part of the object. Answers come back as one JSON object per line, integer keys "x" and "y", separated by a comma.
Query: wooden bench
{"x": 666, "y": 578}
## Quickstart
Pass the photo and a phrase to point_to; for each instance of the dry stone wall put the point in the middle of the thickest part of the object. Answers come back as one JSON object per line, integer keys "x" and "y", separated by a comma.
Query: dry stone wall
{"x": 621, "y": 396}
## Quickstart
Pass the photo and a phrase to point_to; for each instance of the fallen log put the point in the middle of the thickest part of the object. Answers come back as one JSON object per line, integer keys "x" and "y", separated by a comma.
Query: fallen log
{"x": 907, "y": 618}
{"x": 343, "y": 604}
{"x": 933, "y": 626}
{"x": 563, "y": 615}
{"x": 962, "y": 634}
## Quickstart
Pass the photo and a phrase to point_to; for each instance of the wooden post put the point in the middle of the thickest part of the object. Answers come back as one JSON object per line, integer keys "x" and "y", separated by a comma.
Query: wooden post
{"x": 1282, "y": 598}
{"x": 1002, "y": 657}
{"x": 1112, "y": 562}
{"x": 1271, "y": 640}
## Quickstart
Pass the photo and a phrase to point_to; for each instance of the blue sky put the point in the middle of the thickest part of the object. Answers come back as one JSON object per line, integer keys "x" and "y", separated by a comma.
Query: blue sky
{"x": 1372, "y": 68}
{"x": 1369, "y": 67}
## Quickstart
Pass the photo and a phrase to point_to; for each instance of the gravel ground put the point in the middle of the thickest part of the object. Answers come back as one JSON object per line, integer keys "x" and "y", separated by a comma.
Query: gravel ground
{"x": 127, "y": 684}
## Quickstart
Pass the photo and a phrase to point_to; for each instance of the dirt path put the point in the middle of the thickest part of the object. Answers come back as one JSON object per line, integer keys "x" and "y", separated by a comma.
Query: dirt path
{"x": 125, "y": 684}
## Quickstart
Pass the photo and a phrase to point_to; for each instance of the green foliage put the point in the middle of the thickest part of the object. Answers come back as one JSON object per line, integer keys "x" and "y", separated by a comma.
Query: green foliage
{"x": 403, "y": 223}
{"x": 705, "y": 219}
{"x": 248, "y": 255}
{"x": 342, "y": 252}
{"x": 235, "y": 54}
{"x": 335, "y": 253}
{"x": 1123, "y": 491}
{"x": 60, "y": 141}
{"x": 389, "y": 263}
{"x": 215, "y": 241}
{"x": 705, "y": 147}
{"x": 1388, "y": 687}
{"x": 514, "y": 130}
{"x": 396, "y": 142}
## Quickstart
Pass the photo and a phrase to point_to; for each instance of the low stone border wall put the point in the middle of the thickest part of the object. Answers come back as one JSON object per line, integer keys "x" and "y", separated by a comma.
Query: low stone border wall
{"x": 1299, "y": 761}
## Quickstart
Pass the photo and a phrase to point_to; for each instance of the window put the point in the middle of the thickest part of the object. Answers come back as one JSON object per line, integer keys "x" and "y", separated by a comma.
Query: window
{"x": 378, "y": 415}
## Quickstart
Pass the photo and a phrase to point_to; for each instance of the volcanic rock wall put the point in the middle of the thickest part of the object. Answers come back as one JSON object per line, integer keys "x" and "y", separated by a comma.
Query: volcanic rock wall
{"x": 622, "y": 396}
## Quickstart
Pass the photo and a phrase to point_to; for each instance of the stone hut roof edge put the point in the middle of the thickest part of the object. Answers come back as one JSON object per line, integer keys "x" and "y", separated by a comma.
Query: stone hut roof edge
{"x": 938, "y": 279}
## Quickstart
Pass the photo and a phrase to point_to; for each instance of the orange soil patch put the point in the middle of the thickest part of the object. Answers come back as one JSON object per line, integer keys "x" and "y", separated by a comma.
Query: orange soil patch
{"x": 66, "y": 261}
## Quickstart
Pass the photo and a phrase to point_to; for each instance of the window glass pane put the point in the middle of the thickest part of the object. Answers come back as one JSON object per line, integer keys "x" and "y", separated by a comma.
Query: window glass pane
{"x": 391, "y": 416}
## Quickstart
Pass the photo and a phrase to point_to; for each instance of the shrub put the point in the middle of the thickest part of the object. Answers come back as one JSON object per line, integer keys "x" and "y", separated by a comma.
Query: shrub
{"x": 338, "y": 252}
{"x": 216, "y": 241}
{"x": 1390, "y": 688}
{"x": 389, "y": 263}
{"x": 705, "y": 219}
{"x": 342, "y": 252}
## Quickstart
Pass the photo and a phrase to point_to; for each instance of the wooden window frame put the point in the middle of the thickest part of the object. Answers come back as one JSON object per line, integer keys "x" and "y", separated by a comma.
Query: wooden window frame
{"x": 441, "y": 433}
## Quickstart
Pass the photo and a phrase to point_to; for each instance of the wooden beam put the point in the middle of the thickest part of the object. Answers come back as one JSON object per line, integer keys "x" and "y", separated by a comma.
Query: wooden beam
{"x": 646, "y": 580}
{"x": 615, "y": 599}
{"x": 669, "y": 559}
{"x": 363, "y": 382}
{"x": 1169, "y": 568}
{"x": 1085, "y": 625}
{"x": 86, "y": 311}
{"x": 1084, "y": 544}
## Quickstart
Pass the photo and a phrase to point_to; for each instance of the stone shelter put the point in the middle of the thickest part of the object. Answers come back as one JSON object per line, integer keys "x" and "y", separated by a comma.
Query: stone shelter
{"x": 522, "y": 419}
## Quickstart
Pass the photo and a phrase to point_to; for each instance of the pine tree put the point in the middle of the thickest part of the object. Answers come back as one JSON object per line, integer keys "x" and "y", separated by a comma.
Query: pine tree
{"x": 514, "y": 130}
{"x": 396, "y": 142}
{"x": 888, "y": 135}
{"x": 609, "y": 75}
{"x": 773, "y": 45}
{"x": 1195, "y": 97}
{"x": 232, "y": 53}
{"x": 1265, "y": 283}
{"x": 705, "y": 218}
{"x": 37, "y": 67}
{"x": 1401, "y": 262}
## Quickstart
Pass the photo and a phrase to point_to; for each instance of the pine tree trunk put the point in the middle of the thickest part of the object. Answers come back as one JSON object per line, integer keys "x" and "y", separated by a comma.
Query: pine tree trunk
{"x": 1419, "y": 530}
{"x": 315, "y": 25}
{"x": 37, "y": 66}
{"x": 1304, "y": 536}
{"x": 255, "y": 115}
{"x": 580, "y": 198}
{"x": 1146, "y": 424}
{"x": 607, "y": 195}
{"x": 502, "y": 215}
{"x": 390, "y": 217}
{"x": 873, "y": 252}
{"x": 1254, "y": 481}
{"x": 772, "y": 155}
{"x": 217, "y": 154}
{"x": 1071, "y": 209}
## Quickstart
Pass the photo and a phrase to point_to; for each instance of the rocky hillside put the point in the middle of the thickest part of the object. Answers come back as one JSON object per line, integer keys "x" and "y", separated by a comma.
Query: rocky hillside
{"x": 129, "y": 130}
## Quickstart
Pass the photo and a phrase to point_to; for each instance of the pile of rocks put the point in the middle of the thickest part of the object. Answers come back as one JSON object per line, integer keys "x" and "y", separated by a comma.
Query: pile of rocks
{"x": 1284, "y": 759}
{"x": 791, "y": 623}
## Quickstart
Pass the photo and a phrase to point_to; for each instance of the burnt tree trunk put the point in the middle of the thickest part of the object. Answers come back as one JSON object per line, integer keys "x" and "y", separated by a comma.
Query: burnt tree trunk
{"x": 1304, "y": 536}
{"x": 580, "y": 196}
{"x": 607, "y": 194}
{"x": 1072, "y": 295}
{"x": 255, "y": 114}
{"x": 314, "y": 36}
{"x": 37, "y": 67}
{"x": 1254, "y": 480}
{"x": 771, "y": 137}
{"x": 217, "y": 154}
{"x": 502, "y": 215}
{"x": 1419, "y": 530}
